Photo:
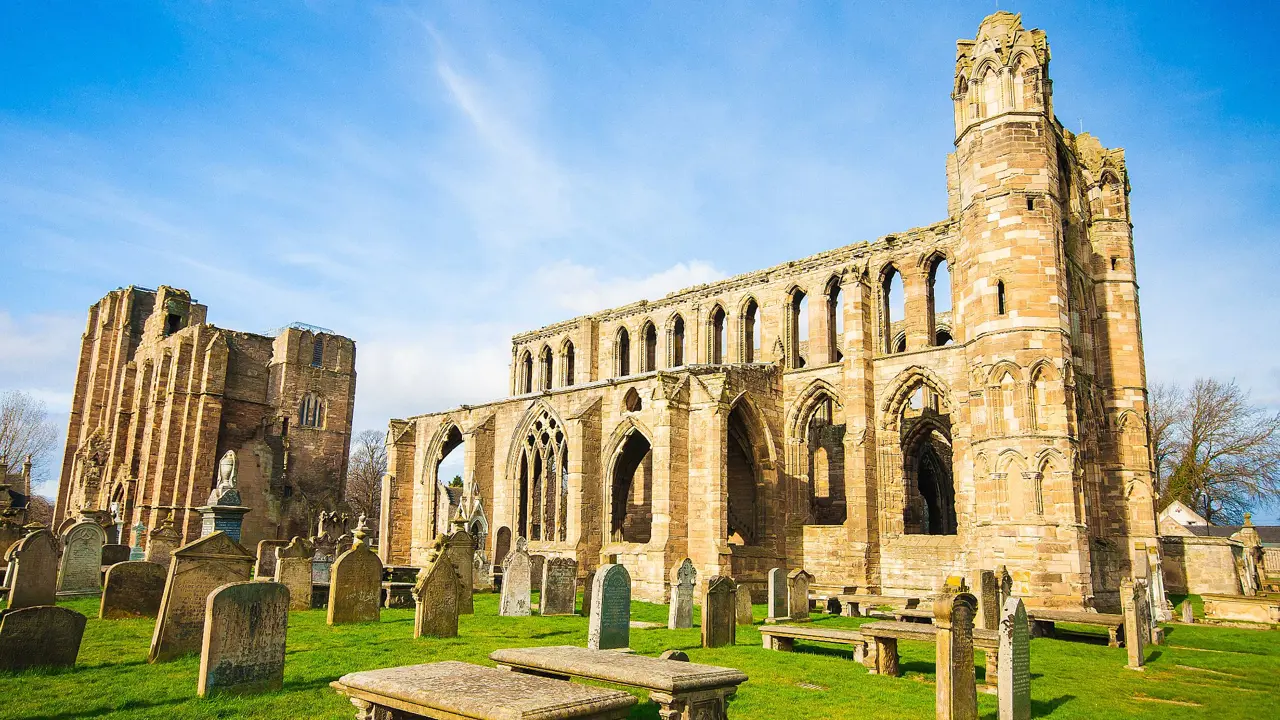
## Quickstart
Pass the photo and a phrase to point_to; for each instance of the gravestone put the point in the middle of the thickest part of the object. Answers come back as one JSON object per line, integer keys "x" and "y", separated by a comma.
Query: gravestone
{"x": 112, "y": 554}
{"x": 1013, "y": 686}
{"x": 610, "y": 624}
{"x": 1135, "y": 630}
{"x": 743, "y": 602}
{"x": 32, "y": 577}
{"x": 515, "y": 583}
{"x": 798, "y": 594}
{"x": 293, "y": 570}
{"x": 134, "y": 589}
{"x": 559, "y": 587}
{"x": 461, "y": 550}
{"x": 588, "y": 587}
{"x": 80, "y": 572}
{"x": 139, "y": 549}
{"x": 40, "y": 636}
{"x": 1004, "y": 585}
{"x": 355, "y": 584}
{"x": 957, "y": 688}
{"x": 244, "y": 638}
{"x": 778, "y": 593}
{"x": 719, "y": 612}
{"x": 161, "y": 542}
{"x": 265, "y": 567}
{"x": 1188, "y": 612}
{"x": 195, "y": 570}
{"x": 1161, "y": 608}
{"x": 435, "y": 597}
{"x": 987, "y": 590}
{"x": 536, "y": 563}
{"x": 680, "y": 613}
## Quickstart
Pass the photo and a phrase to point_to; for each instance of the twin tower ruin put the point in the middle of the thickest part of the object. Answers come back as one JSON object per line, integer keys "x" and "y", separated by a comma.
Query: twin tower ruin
{"x": 800, "y": 416}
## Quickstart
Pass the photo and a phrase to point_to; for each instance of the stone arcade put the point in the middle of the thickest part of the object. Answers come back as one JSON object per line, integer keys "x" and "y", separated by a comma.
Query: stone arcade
{"x": 998, "y": 418}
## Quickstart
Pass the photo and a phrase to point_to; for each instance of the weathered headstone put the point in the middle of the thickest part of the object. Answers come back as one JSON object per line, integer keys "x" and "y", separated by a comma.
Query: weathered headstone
{"x": 1136, "y": 632}
{"x": 265, "y": 567}
{"x": 987, "y": 590}
{"x": 1013, "y": 686}
{"x": 355, "y": 584}
{"x": 40, "y": 636}
{"x": 610, "y": 624}
{"x": 536, "y": 563}
{"x": 1004, "y": 585}
{"x": 719, "y": 612}
{"x": 134, "y": 589}
{"x": 559, "y": 587}
{"x": 244, "y": 638}
{"x": 798, "y": 594}
{"x": 743, "y": 602}
{"x": 112, "y": 554}
{"x": 195, "y": 570}
{"x": 1188, "y": 612}
{"x": 515, "y": 583}
{"x": 293, "y": 570}
{"x": 680, "y": 613}
{"x": 32, "y": 577}
{"x": 435, "y": 596}
{"x": 161, "y": 542}
{"x": 139, "y": 549}
{"x": 957, "y": 688}
{"x": 81, "y": 570}
{"x": 588, "y": 587}
{"x": 778, "y": 593}
{"x": 460, "y": 548}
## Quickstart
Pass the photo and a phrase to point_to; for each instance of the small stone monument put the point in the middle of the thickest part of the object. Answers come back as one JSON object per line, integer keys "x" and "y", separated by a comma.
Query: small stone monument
{"x": 987, "y": 588}
{"x": 1013, "y": 686}
{"x": 133, "y": 589}
{"x": 610, "y": 624}
{"x": 1004, "y": 585}
{"x": 515, "y": 582}
{"x": 115, "y": 553}
{"x": 244, "y": 638}
{"x": 798, "y": 594}
{"x": 535, "y": 572}
{"x": 460, "y": 548}
{"x": 957, "y": 685}
{"x": 719, "y": 612}
{"x": 1161, "y": 608}
{"x": 588, "y": 586}
{"x": 743, "y": 602}
{"x": 265, "y": 567}
{"x": 778, "y": 594}
{"x": 32, "y": 577}
{"x": 223, "y": 511}
{"x": 40, "y": 636}
{"x": 80, "y": 572}
{"x": 195, "y": 570}
{"x": 435, "y": 596}
{"x": 1135, "y": 630}
{"x": 161, "y": 542}
{"x": 559, "y": 587}
{"x": 139, "y": 549}
{"x": 355, "y": 586}
{"x": 293, "y": 570}
{"x": 1188, "y": 612}
{"x": 680, "y": 613}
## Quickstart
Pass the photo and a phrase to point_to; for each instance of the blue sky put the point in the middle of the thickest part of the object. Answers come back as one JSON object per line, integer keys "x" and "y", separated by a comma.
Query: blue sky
{"x": 431, "y": 178}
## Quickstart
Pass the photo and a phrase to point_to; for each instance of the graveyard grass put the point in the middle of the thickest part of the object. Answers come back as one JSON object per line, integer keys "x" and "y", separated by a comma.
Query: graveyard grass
{"x": 1201, "y": 672}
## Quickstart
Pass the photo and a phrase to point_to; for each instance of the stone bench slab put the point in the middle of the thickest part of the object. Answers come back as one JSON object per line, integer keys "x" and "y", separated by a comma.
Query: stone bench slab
{"x": 982, "y": 639}
{"x": 461, "y": 691}
{"x": 819, "y": 634}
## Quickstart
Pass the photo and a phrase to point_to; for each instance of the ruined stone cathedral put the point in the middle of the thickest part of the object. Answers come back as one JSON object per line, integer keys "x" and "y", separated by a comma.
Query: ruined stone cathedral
{"x": 793, "y": 417}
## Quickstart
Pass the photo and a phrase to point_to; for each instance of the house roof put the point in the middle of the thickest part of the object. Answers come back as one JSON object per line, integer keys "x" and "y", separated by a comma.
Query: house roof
{"x": 1270, "y": 534}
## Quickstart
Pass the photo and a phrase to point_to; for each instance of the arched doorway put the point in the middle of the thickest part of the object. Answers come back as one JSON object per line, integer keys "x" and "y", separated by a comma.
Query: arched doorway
{"x": 631, "y": 491}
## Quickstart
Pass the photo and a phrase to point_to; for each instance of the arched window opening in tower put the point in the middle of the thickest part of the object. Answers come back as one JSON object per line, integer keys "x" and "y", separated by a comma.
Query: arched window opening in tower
{"x": 1001, "y": 306}
{"x": 717, "y": 327}
{"x": 649, "y": 336}
{"x": 835, "y": 321}
{"x": 317, "y": 353}
{"x": 750, "y": 331}
{"x": 677, "y": 342}
{"x": 798, "y": 330}
{"x": 546, "y": 367}
{"x": 568, "y": 363}
{"x": 543, "y": 477}
{"x": 939, "y": 299}
{"x": 622, "y": 351}
{"x": 926, "y": 451}
{"x": 501, "y": 545}
{"x": 448, "y": 471}
{"x": 631, "y": 512}
{"x": 743, "y": 480}
{"x": 824, "y": 443}
{"x": 311, "y": 411}
{"x": 893, "y": 311}
{"x": 525, "y": 375}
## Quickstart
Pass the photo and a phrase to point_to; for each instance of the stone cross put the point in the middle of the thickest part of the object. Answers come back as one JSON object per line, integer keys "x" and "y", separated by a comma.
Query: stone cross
{"x": 610, "y": 624}
{"x": 195, "y": 571}
{"x": 33, "y": 571}
{"x": 244, "y": 638}
{"x": 81, "y": 570}
{"x": 515, "y": 583}
{"x": 1013, "y": 686}
{"x": 743, "y": 602}
{"x": 460, "y": 549}
{"x": 1136, "y": 630}
{"x": 133, "y": 589}
{"x": 435, "y": 597}
{"x": 957, "y": 688}
{"x": 988, "y": 593}
{"x": 719, "y": 612}
{"x": 559, "y": 587}
{"x": 798, "y": 594}
{"x": 778, "y": 593}
{"x": 355, "y": 584}
{"x": 40, "y": 636}
{"x": 680, "y": 614}
{"x": 293, "y": 570}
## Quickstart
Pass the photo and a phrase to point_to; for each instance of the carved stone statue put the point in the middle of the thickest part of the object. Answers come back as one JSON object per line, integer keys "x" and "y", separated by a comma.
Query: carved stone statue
{"x": 227, "y": 492}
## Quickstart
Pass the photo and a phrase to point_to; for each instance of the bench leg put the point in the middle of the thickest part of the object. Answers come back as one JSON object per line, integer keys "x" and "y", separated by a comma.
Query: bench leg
{"x": 850, "y": 609}
{"x": 704, "y": 705}
{"x": 782, "y": 644}
{"x": 862, "y": 654}
{"x": 1113, "y": 637}
{"x": 887, "y": 657}
{"x": 366, "y": 710}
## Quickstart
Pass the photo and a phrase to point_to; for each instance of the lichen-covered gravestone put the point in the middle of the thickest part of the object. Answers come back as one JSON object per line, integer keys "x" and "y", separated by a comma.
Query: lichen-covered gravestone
{"x": 293, "y": 570}
{"x": 956, "y": 683}
{"x": 743, "y": 602}
{"x": 1136, "y": 627}
{"x": 1013, "y": 685}
{"x": 81, "y": 570}
{"x": 435, "y": 596}
{"x": 719, "y": 612}
{"x": 161, "y": 542}
{"x": 112, "y": 554}
{"x": 798, "y": 594}
{"x": 133, "y": 589}
{"x": 33, "y": 571}
{"x": 195, "y": 570}
{"x": 536, "y": 563}
{"x": 515, "y": 583}
{"x": 680, "y": 613}
{"x": 355, "y": 584}
{"x": 610, "y": 624}
{"x": 559, "y": 587}
{"x": 265, "y": 567}
{"x": 988, "y": 594}
{"x": 244, "y": 638}
{"x": 778, "y": 593}
{"x": 40, "y": 636}
{"x": 460, "y": 548}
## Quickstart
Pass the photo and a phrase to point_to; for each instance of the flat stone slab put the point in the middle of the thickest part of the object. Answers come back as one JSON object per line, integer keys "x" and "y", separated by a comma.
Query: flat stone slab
{"x": 462, "y": 690}
{"x": 817, "y": 634}
{"x": 667, "y": 676}
{"x": 1078, "y": 617}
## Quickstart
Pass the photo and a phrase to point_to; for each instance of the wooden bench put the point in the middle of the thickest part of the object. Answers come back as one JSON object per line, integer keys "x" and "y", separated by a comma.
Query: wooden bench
{"x": 1042, "y": 622}
{"x": 855, "y": 605}
{"x": 462, "y": 691}
{"x": 783, "y": 637}
{"x": 884, "y": 636}
{"x": 683, "y": 690}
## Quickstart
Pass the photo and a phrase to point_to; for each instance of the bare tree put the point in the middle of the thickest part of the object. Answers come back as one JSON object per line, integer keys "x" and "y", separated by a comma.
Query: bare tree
{"x": 1223, "y": 452}
{"x": 1164, "y": 402}
{"x": 25, "y": 430}
{"x": 367, "y": 465}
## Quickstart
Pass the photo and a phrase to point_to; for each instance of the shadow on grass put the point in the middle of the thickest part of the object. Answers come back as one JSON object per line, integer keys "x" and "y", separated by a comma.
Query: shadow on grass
{"x": 1155, "y": 655}
{"x": 100, "y": 711}
{"x": 316, "y": 684}
{"x": 1043, "y": 708}
{"x": 823, "y": 650}
{"x": 553, "y": 633}
{"x": 924, "y": 668}
{"x": 1080, "y": 637}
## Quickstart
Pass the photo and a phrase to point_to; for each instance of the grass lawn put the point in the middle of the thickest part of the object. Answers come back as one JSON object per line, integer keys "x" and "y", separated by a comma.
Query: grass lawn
{"x": 1201, "y": 672}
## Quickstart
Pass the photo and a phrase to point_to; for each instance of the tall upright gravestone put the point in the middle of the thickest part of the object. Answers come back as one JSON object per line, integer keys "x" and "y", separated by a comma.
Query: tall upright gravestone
{"x": 435, "y": 597}
{"x": 798, "y": 594}
{"x": 1013, "y": 686}
{"x": 957, "y": 685}
{"x": 133, "y": 589}
{"x": 355, "y": 584}
{"x": 559, "y": 587}
{"x": 460, "y": 548}
{"x": 610, "y": 624}
{"x": 680, "y": 614}
{"x": 743, "y": 602}
{"x": 33, "y": 571}
{"x": 40, "y": 636}
{"x": 719, "y": 612}
{"x": 515, "y": 582}
{"x": 293, "y": 570}
{"x": 588, "y": 587}
{"x": 195, "y": 570}
{"x": 244, "y": 638}
{"x": 81, "y": 570}
{"x": 778, "y": 593}
{"x": 987, "y": 589}
{"x": 1136, "y": 628}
